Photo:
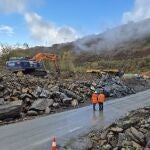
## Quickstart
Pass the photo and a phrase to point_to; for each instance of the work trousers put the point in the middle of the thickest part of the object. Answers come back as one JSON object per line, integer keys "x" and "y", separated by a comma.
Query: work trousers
{"x": 94, "y": 104}
{"x": 100, "y": 106}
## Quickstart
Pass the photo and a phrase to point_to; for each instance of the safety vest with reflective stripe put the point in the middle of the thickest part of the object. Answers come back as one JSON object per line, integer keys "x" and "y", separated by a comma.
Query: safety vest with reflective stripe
{"x": 94, "y": 98}
{"x": 101, "y": 98}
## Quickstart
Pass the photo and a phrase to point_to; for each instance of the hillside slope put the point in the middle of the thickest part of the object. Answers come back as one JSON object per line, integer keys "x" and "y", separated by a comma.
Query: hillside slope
{"x": 126, "y": 47}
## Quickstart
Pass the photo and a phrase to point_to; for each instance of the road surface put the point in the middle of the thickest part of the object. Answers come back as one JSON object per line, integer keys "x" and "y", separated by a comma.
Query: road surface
{"x": 36, "y": 134}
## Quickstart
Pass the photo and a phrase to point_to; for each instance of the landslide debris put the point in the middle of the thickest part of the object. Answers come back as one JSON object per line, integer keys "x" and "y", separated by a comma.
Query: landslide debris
{"x": 113, "y": 86}
{"x": 129, "y": 133}
{"x": 25, "y": 96}
{"x": 138, "y": 84}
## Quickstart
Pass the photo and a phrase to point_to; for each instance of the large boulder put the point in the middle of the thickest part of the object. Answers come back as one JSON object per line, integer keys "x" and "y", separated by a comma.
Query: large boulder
{"x": 138, "y": 135}
{"x": 42, "y": 93}
{"x": 11, "y": 110}
{"x": 71, "y": 94}
{"x": 41, "y": 104}
{"x": 32, "y": 113}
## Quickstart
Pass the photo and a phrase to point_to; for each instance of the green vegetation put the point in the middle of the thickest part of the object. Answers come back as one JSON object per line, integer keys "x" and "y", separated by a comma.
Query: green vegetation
{"x": 135, "y": 65}
{"x": 69, "y": 61}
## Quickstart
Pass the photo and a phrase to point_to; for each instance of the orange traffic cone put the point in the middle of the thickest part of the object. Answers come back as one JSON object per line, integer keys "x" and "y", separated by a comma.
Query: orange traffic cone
{"x": 54, "y": 144}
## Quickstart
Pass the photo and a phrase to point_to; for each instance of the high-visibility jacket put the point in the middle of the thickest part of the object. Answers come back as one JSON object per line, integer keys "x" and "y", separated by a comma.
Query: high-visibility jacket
{"x": 101, "y": 98}
{"x": 94, "y": 98}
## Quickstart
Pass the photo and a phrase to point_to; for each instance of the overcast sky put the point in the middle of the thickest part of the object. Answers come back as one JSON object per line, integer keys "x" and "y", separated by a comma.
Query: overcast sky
{"x": 46, "y": 22}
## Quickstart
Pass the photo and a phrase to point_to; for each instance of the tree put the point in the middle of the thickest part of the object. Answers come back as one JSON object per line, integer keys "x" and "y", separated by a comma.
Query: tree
{"x": 66, "y": 61}
{"x": 5, "y": 51}
{"x": 5, "y": 54}
{"x": 26, "y": 45}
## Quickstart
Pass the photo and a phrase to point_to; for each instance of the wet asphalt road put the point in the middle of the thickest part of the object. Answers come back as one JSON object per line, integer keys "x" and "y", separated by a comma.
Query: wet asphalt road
{"x": 36, "y": 134}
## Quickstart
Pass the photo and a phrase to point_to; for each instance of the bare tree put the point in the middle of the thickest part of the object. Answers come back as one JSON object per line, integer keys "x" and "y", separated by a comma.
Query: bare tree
{"x": 26, "y": 45}
{"x": 5, "y": 52}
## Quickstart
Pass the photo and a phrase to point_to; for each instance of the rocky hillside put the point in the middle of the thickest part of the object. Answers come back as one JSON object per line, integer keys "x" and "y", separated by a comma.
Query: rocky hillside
{"x": 130, "y": 39}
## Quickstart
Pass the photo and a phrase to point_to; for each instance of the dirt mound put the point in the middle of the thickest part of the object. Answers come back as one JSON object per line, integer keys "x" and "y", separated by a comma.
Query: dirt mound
{"x": 138, "y": 84}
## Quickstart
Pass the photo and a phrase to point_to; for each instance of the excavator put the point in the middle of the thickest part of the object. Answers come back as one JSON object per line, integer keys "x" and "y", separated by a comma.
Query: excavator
{"x": 145, "y": 75}
{"x": 114, "y": 72}
{"x": 34, "y": 65}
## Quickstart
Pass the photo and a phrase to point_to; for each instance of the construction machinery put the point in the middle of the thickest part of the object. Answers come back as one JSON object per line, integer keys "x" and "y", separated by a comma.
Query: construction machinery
{"x": 114, "y": 72}
{"x": 93, "y": 71}
{"x": 145, "y": 75}
{"x": 32, "y": 66}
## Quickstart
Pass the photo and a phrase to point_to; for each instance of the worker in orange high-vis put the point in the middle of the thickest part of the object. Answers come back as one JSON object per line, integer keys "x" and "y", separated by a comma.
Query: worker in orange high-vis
{"x": 94, "y": 99}
{"x": 101, "y": 100}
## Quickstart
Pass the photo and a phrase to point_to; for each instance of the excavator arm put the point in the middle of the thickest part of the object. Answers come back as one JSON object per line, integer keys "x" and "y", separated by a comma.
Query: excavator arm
{"x": 46, "y": 56}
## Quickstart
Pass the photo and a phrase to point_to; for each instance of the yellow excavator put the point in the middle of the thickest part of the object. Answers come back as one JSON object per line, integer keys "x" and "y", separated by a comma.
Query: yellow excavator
{"x": 114, "y": 72}
{"x": 145, "y": 74}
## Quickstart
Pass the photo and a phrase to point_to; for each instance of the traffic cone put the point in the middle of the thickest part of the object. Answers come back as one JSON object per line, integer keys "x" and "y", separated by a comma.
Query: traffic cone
{"x": 54, "y": 144}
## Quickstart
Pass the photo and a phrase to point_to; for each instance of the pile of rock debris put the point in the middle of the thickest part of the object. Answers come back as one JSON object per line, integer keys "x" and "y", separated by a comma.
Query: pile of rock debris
{"x": 131, "y": 132}
{"x": 26, "y": 95}
{"x": 112, "y": 86}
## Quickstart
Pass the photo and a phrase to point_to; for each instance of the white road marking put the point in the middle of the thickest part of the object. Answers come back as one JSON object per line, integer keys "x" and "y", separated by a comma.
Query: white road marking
{"x": 41, "y": 141}
{"x": 75, "y": 129}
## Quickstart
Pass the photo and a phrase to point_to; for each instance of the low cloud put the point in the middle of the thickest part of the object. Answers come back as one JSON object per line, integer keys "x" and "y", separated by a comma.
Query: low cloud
{"x": 140, "y": 11}
{"x": 47, "y": 32}
{"x": 6, "y": 30}
{"x": 10, "y": 6}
